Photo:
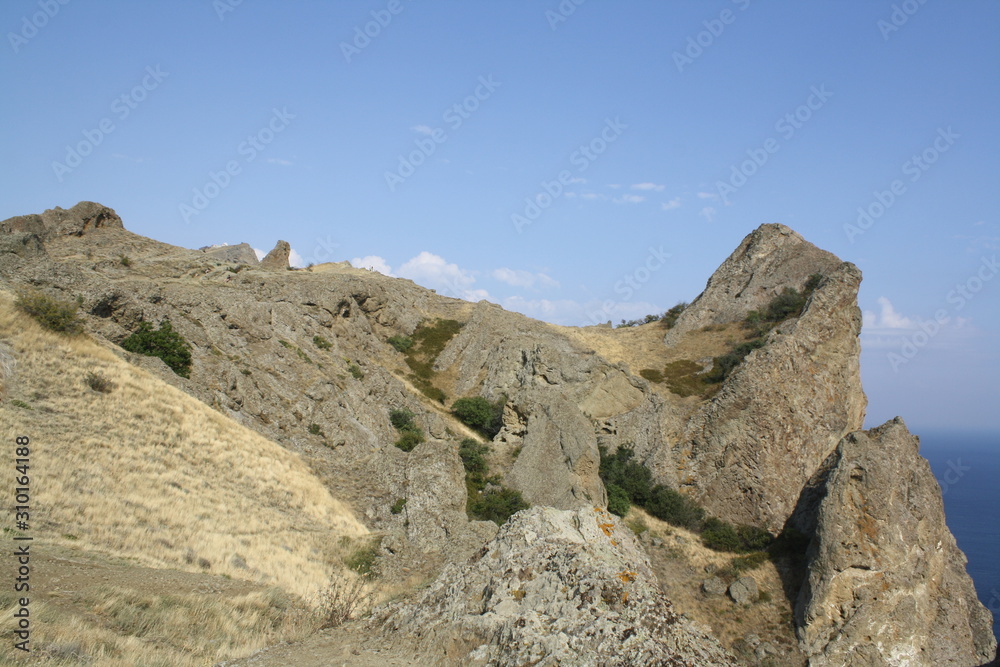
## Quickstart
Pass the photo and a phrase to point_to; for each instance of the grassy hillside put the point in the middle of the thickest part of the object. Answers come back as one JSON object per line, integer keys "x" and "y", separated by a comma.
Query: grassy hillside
{"x": 147, "y": 472}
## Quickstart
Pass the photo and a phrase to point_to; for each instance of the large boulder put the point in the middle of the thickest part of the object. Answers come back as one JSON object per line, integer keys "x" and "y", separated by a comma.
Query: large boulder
{"x": 553, "y": 587}
{"x": 887, "y": 584}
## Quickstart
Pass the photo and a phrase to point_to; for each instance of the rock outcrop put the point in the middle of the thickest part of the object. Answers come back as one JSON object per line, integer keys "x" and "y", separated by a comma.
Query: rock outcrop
{"x": 887, "y": 584}
{"x": 82, "y": 218}
{"x": 553, "y": 587}
{"x": 241, "y": 253}
{"x": 277, "y": 259}
{"x": 747, "y": 453}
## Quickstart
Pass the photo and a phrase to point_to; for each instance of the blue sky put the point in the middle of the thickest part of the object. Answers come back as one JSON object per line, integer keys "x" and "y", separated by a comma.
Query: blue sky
{"x": 575, "y": 162}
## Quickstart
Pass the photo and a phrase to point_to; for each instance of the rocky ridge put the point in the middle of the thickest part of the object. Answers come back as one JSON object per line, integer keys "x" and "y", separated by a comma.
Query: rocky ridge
{"x": 760, "y": 450}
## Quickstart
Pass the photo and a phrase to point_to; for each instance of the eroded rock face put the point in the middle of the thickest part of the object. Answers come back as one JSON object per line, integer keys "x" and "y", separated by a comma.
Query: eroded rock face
{"x": 887, "y": 584}
{"x": 241, "y": 253}
{"x": 553, "y": 587}
{"x": 769, "y": 259}
{"x": 277, "y": 259}
{"x": 748, "y": 452}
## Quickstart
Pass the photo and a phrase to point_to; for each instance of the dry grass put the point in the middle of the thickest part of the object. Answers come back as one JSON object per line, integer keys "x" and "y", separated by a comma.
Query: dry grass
{"x": 121, "y": 626}
{"x": 148, "y": 472}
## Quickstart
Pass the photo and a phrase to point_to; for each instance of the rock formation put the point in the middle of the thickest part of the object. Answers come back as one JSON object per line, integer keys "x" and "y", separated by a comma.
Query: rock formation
{"x": 553, "y": 587}
{"x": 887, "y": 583}
{"x": 277, "y": 259}
{"x": 303, "y": 358}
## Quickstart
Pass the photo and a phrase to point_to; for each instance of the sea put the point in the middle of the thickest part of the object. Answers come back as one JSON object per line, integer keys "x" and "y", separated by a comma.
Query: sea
{"x": 967, "y": 466}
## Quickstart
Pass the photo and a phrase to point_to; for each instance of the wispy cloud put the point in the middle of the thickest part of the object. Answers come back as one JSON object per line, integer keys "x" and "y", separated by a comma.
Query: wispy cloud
{"x": 423, "y": 129}
{"x": 708, "y": 213}
{"x": 707, "y": 195}
{"x": 519, "y": 278}
{"x": 629, "y": 199}
{"x": 672, "y": 204}
{"x": 653, "y": 187}
{"x": 279, "y": 161}
{"x": 447, "y": 278}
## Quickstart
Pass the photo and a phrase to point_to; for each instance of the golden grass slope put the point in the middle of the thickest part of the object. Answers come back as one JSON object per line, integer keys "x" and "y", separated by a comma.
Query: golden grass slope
{"x": 147, "y": 472}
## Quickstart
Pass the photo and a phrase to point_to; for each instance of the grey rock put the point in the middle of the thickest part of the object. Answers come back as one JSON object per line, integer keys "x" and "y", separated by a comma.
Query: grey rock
{"x": 713, "y": 586}
{"x": 743, "y": 590}
{"x": 553, "y": 587}
{"x": 25, "y": 245}
{"x": 241, "y": 253}
{"x": 743, "y": 466}
{"x": 277, "y": 259}
{"x": 887, "y": 583}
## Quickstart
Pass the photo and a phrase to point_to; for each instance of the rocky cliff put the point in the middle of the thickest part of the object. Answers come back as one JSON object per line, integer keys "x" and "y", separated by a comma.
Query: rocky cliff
{"x": 303, "y": 357}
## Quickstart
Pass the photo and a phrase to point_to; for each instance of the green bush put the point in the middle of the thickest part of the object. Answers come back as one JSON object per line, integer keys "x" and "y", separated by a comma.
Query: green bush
{"x": 409, "y": 439}
{"x": 623, "y": 471}
{"x": 497, "y": 505}
{"x": 753, "y": 538}
{"x": 314, "y": 429}
{"x": 401, "y": 343}
{"x": 473, "y": 455}
{"x": 99, "y": 383}
{"x": 669, "y": 318}
{"x": 787, "y": 304}
{"x": 401, "y": 419}
{"x": 321, "y": 343}
{"x": 164, "y": 343}
{"x": 720, "y": 536}
{"x": 671, "y": 506}
{"x": 618, "y": 500}
{"x": 364, "y": 559}
{"x": 52, "y": 314}
{"x": 478, "y": 413}
{"x": 355, "y": 371}
{"x": 398, "y": 506}
{"x": 725, "y": 364}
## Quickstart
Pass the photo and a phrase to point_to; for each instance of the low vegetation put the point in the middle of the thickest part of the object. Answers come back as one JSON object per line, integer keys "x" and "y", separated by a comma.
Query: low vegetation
{"x": 321, "y": 343}
{"x": 629, "y": 482}
{"x": 480, "y": 414}
{"x": 53, "y": 314}
{"x": 99, "y": 382}
{"x": 422, "y": 350}
{"x": 410, "y": 435}
{"x": 488, "y": 499}
{"x": 164, "y": 343}
{"x": 668, "y": 319}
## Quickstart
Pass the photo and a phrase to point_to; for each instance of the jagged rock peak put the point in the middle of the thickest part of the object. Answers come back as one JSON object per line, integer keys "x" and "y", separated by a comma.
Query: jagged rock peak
{"x": 769, "y": 259}
{"x": 887, "y": 583}
{"x": 82, "y": 218}
{"x": 277, "y": 259}
{"x": 241, "y": 253}
{"x": 554, "y": 587}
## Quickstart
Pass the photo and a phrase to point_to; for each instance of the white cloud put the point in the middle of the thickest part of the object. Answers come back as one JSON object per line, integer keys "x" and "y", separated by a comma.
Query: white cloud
{"x": 372, "y": 262}
{"x": 519, "y": 278}
{"x": 260, "y": 254}
{"x": 279, "y": 161}
{"x": 613, "y": 186}
{"x": 887, "y": 317}
{"x": 654, "y": 187}
{"x": 672, "y": 204}
{"x": 423, "y": 129}
{"x": 577, "y": 179}
{"x": 592, "y": 196}
{"x": 295, "y": 259}
{"x": 708, "y": 213}
{"x": 433, "y": 271}
{"x": 629, "y": 199}
{"x": 707, "y": 195}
